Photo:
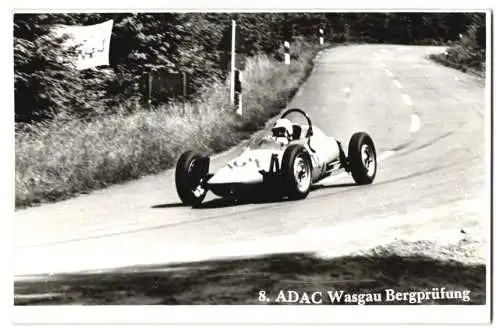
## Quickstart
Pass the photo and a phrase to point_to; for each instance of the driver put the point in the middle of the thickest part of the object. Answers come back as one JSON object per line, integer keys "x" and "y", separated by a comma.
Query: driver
{"x": 282, "y": 131}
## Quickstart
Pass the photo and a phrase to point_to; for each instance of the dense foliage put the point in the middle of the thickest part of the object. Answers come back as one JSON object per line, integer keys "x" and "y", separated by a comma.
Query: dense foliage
{"x": 469, "y": 53}
{"x": 189, "y": 42}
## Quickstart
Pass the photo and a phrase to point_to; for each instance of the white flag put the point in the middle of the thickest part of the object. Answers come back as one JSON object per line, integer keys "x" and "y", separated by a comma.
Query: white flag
{"x": 90, "y": 44}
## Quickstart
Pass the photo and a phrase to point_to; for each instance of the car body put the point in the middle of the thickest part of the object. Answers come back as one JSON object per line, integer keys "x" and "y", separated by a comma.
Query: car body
{"x": 281, "y": 169}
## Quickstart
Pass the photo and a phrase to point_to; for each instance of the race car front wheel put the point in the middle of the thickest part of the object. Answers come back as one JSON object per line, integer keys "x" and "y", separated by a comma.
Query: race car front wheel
{"x": 362, "y": 158}
{"x": 296, "y": 172}
{"x": 190, "y": 171}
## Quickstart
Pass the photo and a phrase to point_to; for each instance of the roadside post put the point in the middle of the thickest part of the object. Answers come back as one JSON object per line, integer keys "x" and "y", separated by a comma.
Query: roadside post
{"x": 150, "y": 87}
{"x": 237, "y": 65}
{"x": 238, "y": 101}
{"x": 321, "y": 36}
{"x": 232, "y": 67}
{"x": 233, "y": 58}
{"x": 286, "y": 44}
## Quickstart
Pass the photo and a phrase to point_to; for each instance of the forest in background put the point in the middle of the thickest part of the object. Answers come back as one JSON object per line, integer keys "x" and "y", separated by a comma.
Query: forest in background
{"x": 190, "y": 42}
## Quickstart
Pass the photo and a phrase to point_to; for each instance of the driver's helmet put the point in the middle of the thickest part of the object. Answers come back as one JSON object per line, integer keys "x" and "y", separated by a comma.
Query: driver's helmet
{"x": 283, "y": 130}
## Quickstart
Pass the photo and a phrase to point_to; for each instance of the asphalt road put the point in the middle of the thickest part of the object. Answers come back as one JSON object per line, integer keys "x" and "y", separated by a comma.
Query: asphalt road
{"x": 428, "y": 124}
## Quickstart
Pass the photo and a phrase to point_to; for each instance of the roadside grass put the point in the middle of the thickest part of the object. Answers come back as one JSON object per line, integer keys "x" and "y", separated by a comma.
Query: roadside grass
{"x": 63, "y": 157}
{"x": 464, "y": 58}
{"x": 402, "y": 266}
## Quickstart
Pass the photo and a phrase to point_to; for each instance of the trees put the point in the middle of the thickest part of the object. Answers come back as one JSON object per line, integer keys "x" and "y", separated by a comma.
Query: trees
{"x": 189, "y": 42}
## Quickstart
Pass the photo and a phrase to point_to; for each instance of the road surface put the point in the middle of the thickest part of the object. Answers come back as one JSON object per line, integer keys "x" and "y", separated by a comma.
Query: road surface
{"x": 428, "y": 124}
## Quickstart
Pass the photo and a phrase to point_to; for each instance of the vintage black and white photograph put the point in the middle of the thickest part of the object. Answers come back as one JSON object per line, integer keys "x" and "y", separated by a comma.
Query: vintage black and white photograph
{"x": 340, "y": 158}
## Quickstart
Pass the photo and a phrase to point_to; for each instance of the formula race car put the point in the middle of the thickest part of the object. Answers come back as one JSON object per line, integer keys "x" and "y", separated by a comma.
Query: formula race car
{"x": 285, "y": 164}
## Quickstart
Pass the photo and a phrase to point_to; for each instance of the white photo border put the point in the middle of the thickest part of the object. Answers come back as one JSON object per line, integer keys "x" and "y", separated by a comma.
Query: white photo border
{"x": 238, "y": 314}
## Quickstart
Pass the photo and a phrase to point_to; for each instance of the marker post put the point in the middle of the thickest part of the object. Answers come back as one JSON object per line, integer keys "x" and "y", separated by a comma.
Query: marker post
{"x": 321, "y": 36}
{"x": 286, "y": 44}
{"x": 237, "y": 93}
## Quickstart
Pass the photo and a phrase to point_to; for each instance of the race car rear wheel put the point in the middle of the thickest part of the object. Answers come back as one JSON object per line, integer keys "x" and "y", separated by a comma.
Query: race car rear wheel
{"x": 296, "y": 171}
{"x": 362, "y": 158}
{"x": 190, "y": 171}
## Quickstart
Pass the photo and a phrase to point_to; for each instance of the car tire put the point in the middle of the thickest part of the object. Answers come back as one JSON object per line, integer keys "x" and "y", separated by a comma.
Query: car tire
{"x": 362, "y": 158}
{"x": 296, "y": 172}
{"x": 189, "y": 173}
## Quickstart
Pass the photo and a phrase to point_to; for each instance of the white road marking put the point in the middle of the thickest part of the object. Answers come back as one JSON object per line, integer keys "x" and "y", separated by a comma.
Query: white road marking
{"x": 414, "y": 123}
{"x": 397, "y": 83}
{"x": 381, "y": 157}
{"x": 406, "y": 99}
{"x": 389, "y": 73}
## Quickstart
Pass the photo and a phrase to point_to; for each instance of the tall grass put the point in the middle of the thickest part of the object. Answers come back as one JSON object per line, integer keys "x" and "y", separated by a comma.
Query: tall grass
{"x": 63, "y": 157}
{"x": 469, "y": 53}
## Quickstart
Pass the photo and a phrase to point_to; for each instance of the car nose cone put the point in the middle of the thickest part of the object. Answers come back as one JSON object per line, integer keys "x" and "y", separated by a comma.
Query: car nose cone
{"x": 249, "y": 173}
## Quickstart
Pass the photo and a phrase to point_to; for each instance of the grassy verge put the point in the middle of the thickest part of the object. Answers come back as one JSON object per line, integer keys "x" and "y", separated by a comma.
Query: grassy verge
{"x": 401, "y": 266}
{"x": 58, "y": 159}
{"x": 463, "y": 58}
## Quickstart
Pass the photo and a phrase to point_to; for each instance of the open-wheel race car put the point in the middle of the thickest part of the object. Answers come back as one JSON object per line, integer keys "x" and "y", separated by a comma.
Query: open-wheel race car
{"x": 284, "y": 163}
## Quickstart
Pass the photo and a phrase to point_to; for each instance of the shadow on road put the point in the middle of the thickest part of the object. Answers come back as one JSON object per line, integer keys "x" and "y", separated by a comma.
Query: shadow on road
{"x": 238, "y": 281}
{"x": 168, "y": 205}
{"x": 220, "y": 202}
{"x": 332, "y": 186}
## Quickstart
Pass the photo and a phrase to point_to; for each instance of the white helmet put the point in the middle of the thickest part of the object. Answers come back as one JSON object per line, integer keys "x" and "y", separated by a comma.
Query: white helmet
{"x": 283, "y": 128}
